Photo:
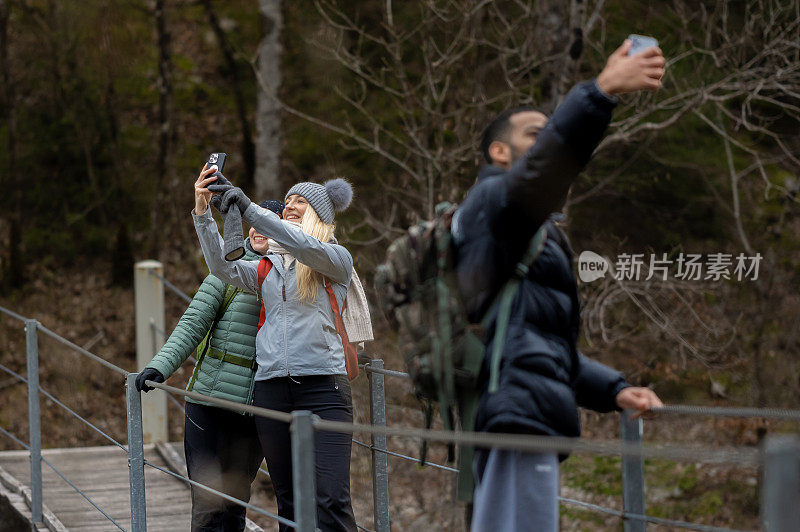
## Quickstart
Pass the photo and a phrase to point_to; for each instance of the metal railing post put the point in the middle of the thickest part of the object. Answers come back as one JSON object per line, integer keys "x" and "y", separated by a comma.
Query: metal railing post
{"x": 136, "y": 456}
{"x": 632, "y": 473}
{"x": 304, "y": 471}
{"x": 34, "y": 419}
{"x": 380, "y": 470}
{"x": 780, "y": 493}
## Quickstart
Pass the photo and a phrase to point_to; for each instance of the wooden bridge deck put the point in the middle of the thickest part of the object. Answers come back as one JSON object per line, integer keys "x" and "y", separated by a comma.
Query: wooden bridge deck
{"x": 101, "y": 473}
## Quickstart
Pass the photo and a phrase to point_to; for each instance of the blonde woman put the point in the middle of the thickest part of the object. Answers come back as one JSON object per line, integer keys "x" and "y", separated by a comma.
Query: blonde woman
{"x": 300, "y": 356}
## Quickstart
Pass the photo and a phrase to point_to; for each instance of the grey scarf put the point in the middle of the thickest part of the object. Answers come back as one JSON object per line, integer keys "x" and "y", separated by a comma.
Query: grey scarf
{"x": 357, "y": 321}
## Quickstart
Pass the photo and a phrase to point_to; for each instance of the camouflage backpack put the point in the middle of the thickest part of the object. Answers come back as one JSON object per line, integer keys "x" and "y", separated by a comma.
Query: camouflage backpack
{"x": 443, "y": 351}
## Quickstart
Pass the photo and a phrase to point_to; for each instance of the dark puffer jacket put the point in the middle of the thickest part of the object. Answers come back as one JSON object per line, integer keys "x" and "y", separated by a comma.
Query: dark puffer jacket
{"x": 543, "y": 377}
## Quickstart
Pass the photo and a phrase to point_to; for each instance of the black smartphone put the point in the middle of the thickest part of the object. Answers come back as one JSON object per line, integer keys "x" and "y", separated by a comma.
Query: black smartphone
{"x": 218, "y": 160}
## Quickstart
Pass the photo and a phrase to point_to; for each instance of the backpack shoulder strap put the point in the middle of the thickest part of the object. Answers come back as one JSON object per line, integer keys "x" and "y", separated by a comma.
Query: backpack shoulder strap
{"x": 227, "y": 298}
{"x": 264, "y": 266}
{"x": 350, "y": 356}
{"x": 504, "y": 300}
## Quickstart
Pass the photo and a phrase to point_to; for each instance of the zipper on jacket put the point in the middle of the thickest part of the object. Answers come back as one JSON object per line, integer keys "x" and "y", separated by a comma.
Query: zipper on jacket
{"x": 285, "y": 346}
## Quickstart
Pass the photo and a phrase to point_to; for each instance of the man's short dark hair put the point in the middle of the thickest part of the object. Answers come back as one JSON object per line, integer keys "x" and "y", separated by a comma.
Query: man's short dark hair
{"x": 499, "y": 126}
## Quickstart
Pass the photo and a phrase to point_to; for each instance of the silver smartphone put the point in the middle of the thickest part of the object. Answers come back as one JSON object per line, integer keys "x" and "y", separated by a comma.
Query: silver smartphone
{"x": 641, "y": 43}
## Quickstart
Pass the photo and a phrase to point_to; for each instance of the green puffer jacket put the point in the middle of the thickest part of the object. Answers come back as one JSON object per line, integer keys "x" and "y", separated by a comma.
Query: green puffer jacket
{"x": 228, "y": 367}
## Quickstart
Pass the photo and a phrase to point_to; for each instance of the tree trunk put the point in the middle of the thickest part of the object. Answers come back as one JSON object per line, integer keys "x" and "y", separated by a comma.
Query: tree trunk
{"x": 570, "y": 60}
{"x": 13, "y": 270}
{"x": 268, "y": 118}
{"x": 553, "y": 32}
{"x": 164, "y": 85}
{"x": 248, "y": 148}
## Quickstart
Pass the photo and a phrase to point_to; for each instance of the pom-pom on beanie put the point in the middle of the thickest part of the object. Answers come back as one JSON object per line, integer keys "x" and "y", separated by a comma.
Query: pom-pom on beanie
{"x": 326, "y": 199}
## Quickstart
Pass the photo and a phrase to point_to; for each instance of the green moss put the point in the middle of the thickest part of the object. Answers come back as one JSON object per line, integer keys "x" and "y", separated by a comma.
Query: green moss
{"x": 688, "y": 480}
{"x": 584, "y": 520}
{"x": 595, "y": 474}
{"x": 708, "y": 504}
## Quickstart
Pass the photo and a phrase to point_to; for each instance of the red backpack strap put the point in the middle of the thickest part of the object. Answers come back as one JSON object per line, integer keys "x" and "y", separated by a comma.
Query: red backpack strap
{"x": 264, "y": 266}
{"x": 350, "y": 355}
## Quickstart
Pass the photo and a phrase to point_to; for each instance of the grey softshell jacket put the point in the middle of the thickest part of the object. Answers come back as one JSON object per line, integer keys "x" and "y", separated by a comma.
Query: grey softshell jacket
{"x": 297, "y": 338}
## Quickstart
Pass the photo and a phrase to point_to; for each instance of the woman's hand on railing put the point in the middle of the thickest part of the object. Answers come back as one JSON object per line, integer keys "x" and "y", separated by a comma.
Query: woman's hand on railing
{"x": 148, "y": 374}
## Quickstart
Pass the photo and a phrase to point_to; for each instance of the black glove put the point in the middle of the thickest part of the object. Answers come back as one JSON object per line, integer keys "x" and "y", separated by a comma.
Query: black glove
{"x": 231, "y": 196}
{"x": 148, "y": 374}
{"x": 221, "y": 180}
{"x": 216, "y": 199}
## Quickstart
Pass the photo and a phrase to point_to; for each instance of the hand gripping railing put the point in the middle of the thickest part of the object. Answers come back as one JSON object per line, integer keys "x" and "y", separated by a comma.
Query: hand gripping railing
{"x": 780, "y": 456}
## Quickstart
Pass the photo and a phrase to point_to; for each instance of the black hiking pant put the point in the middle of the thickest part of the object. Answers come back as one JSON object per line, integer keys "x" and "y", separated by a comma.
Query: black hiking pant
{"x": 222, "y": 452}
{"x": 328, "y": 396}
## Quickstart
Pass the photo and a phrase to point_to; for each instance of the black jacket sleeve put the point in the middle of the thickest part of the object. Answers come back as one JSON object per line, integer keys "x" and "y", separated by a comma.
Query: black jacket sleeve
{"x": 538, "y": 183}
{"x": 596, "y": 385}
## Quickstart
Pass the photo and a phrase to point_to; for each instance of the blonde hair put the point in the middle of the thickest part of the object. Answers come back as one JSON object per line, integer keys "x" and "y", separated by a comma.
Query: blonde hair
{"x": 308, "y": 280}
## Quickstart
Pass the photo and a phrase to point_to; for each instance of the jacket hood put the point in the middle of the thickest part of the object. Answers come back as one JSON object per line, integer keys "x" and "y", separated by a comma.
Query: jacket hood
{"x": 489, "y": 170}
{"x": 249, "y": 253}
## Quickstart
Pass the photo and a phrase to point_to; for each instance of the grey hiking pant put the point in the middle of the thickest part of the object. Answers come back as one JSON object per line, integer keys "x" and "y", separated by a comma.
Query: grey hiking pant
{"x": 515, "y": 491}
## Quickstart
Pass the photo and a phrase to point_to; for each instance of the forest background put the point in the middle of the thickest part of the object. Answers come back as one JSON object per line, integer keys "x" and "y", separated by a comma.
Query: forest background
{"x": 109, "y": 108}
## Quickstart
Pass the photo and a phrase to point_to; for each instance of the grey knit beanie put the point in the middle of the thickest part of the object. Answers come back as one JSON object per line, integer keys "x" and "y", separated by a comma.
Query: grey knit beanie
{"x": 333, "y": 196}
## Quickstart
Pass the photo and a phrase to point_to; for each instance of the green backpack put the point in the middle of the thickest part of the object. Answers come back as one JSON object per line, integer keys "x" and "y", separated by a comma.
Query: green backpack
{"x": 443, "y": 351}
{"x": 205, "y": 343}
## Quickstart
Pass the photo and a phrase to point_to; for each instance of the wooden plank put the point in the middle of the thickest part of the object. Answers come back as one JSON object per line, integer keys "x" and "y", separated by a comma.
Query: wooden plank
{"x": 12, "y": 486}
{"x": 102, "y": 474}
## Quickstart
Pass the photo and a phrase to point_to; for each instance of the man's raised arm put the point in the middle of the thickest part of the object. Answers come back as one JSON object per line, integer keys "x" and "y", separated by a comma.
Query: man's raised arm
{"x": 537, "y": 184}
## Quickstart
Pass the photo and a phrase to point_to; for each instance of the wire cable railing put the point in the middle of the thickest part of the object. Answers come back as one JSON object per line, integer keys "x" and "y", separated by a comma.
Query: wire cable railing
{"x": 714, "y": 411}
{"x": 82, "y": 494}
{"x": 505, "y": 441}
{"x": 647, "y": 518}
{"x": 15, "y": 439}
{"x": 724, "y": 411}
{"x": 175, "y": 290}
{"x": 176, "y": 403}
{"x": 13, "y": 314}
{"x": 65, "y": 407}
{"x": 80, "y": 350}
{"x": 64, "y": 478}
{"x": 225, "y": 496}
{"x": 382, "y": 371}
{"x": 404, "y": 457}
